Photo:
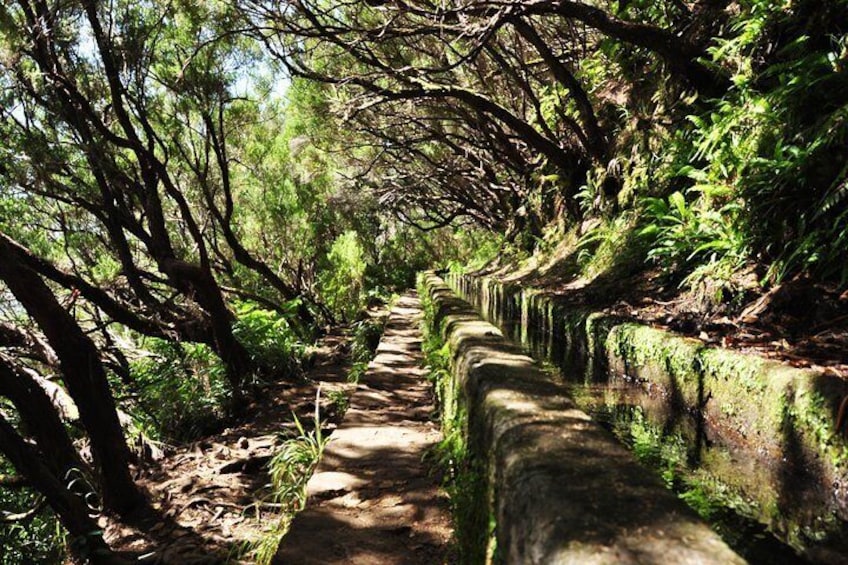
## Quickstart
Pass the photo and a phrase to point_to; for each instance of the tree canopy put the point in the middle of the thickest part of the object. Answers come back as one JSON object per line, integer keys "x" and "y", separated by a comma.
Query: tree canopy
{"x": 218, "y": 181}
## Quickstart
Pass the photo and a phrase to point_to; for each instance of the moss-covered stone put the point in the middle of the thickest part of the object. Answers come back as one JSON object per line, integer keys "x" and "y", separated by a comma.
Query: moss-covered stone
{"x": 561, "y": 488}
{"x": 782, "y": 417}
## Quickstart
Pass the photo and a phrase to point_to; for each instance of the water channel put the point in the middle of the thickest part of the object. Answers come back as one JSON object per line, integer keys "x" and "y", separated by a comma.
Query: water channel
{"x": 722, "y": 477}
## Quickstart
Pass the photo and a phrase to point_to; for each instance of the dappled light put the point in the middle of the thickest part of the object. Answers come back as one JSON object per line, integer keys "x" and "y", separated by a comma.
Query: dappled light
{"x": 385, "y": 281}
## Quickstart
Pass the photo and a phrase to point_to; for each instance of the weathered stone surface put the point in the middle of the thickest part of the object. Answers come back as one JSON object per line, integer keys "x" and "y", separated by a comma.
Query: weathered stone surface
{"x": 372, "y": 499}
{"x": 562, "y": 489}
{"x": 789, "y": 459}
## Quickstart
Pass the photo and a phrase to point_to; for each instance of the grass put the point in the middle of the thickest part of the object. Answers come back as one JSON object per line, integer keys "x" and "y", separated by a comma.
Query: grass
{"x": 291, "y": 468}
{"x": 289, "y": 471}
{"x": 340, "y": 400}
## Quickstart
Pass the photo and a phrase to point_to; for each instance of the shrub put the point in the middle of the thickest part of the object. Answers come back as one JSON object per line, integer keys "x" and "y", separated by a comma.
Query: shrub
{"x": 37, "y": 539}
{"x": 269, "y": 337}
{"x": 342, "y": 282}
{"x": 182, "y": 389}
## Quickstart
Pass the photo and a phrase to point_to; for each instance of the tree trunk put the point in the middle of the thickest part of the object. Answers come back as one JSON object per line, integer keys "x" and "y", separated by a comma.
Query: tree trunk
{"x": 40, "y": 418}
{"x": 208, "y": 295}
{"x": 71, "y": 510}
{"x": 85, "y": 379}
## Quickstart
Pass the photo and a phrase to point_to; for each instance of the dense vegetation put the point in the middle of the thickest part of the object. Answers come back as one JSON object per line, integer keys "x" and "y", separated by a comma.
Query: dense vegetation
{"x": 190, "y": 191}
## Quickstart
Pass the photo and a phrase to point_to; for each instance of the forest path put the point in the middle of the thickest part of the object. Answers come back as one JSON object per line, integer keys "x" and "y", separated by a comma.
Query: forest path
{"x": 372, "y": 499}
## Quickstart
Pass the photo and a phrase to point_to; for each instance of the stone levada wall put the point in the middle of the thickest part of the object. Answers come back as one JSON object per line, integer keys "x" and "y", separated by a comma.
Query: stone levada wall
{"x": 560, "y": 488}
{"x": 788, "y": 462}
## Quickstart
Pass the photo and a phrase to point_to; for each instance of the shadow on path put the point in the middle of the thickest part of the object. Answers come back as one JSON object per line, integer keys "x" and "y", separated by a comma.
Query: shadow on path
{"x": 372, "y": 499}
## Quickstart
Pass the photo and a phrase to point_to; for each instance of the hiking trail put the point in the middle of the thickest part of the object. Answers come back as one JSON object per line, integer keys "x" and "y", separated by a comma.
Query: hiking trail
{"x": 372, "y": 498}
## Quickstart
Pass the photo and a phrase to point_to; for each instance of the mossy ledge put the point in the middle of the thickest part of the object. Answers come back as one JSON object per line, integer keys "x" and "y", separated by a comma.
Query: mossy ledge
{"x": 561, "y": 488}
{"x": 780, "y": 416}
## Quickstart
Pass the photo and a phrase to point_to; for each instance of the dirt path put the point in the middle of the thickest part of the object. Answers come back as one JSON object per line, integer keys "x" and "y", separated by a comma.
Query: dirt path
{"x": 372, "y": 500}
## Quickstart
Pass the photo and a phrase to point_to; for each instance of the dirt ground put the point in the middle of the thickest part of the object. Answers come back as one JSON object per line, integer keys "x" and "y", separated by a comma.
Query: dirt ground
{"x": 210, "y": 496}
{"x": 372, "y": 500}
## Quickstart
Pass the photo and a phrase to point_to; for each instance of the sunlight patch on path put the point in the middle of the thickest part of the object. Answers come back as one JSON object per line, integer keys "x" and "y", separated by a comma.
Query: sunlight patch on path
{"x": 372, "y": 499}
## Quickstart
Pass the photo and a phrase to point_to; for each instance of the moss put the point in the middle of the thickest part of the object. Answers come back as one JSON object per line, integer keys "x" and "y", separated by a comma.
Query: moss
{"x": 743, "y": 372}
{"x": 653, "y": 355}
{"x": 748, "y": 391}
{"x": 772, "y": 412}
{"x": 814, "y": 413}
{"x": 464, "y": 473}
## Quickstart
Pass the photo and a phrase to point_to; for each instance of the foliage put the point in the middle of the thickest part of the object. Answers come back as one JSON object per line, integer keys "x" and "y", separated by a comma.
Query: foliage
{"x": 290, "y": 470}
{"x": 766, "y": 158}
{"x": 342, "y": 283}
{"x": 269, "y": 337}
{"x": 366, "y": 336}
{"x": 292, "y": 466}
{"x": 181, "y": 389}
{"x": 476, "y": 249}
{"x": 340, "y": 400}
{"x": 401, "y": 253}
{"x": 39, "y": 539}
{"x": 608, "y": 245}
{"x": 688, "y": 234}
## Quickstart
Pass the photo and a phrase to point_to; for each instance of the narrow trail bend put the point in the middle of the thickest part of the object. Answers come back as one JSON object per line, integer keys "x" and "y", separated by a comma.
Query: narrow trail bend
{"x": 372, "y": 499}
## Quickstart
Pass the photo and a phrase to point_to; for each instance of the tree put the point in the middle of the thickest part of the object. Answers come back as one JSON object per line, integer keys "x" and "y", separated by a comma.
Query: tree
{"x": 84, "y": 377}
{"x": 506, "y": 76}
{"x": 117, "y": 133}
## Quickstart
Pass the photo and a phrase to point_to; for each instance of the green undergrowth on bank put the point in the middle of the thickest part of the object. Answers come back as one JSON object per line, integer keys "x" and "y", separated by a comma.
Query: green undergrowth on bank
{"x": 36, "y": 538}
{"x": 289, "y": 471}
{"x": 177, "y": 391}
{"x": 464, "y": 474}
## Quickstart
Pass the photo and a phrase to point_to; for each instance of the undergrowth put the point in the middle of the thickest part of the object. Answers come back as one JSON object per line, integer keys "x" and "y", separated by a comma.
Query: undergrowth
{"x": 289, "y": 471}
{"x": 37, "y": 538}
{"x": 760, "y": 174}
{"x": 365, "y": 334}
{"x": 179, "y": 390}
{"x": 180, "y": 387}
{"x": 342, "y": 284}
{"x": 270, "y": 337}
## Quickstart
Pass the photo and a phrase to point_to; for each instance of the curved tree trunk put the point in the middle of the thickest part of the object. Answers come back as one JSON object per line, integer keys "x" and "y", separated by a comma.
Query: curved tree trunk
{"x": 84, "y": 377}
{"x": 71, "y": 510}
{"x": 208, "y": 294}
{"x": 40, "y": 417}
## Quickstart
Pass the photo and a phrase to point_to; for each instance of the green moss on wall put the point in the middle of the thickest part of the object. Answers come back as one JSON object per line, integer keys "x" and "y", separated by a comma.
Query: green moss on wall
{"x": 464, "y": 472}
{"x": 784, "y": 417}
